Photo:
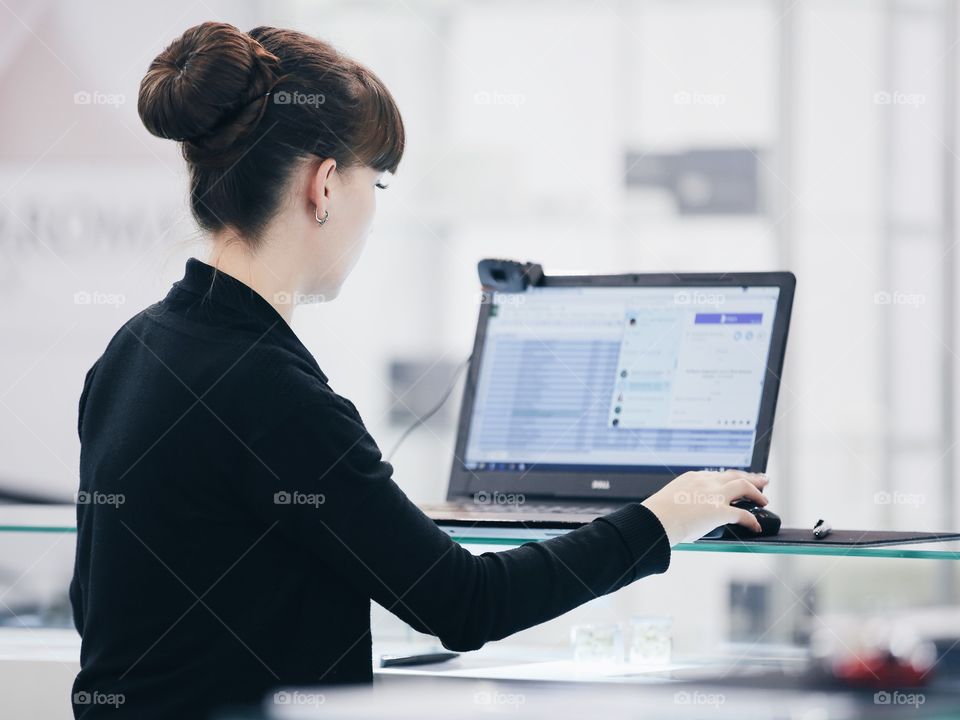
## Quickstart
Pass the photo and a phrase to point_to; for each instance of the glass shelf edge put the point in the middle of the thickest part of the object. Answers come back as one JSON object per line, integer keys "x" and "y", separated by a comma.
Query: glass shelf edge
{"x": 39, "y": 528}
{"x": 888, "y": 551}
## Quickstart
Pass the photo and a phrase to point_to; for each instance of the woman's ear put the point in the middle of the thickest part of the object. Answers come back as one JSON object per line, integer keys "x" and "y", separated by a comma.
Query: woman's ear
{"x": 320, "y": 184}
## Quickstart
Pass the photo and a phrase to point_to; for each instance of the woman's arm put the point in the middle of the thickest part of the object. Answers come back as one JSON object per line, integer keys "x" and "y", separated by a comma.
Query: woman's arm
{"x": 320, "y": 477}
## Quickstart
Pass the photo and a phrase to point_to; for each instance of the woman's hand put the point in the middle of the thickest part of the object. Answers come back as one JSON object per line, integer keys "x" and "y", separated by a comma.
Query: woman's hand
{"x": 697, "y": 502}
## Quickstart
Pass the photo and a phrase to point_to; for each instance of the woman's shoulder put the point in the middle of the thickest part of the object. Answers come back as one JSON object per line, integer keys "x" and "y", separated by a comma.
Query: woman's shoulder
{"x": 298, "y": 400}
{"x": 288, "y": 378}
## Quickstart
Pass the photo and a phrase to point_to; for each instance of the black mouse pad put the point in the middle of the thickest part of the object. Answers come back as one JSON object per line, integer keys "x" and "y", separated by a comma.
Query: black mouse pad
{"x": 804, "y": 536}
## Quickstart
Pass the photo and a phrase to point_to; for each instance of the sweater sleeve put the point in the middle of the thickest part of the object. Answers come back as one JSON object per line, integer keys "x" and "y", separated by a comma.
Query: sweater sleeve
{"x": 320, "y": 478}
{"x": 87, "y": 381}
{"x": 74, "y": 592}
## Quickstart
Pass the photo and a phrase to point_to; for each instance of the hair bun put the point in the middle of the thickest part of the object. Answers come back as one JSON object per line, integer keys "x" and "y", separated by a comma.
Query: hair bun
{"x": 202, "y": 89}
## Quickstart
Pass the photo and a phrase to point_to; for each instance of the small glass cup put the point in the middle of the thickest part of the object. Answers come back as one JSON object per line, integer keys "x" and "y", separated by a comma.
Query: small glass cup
{"x": 651, "y": 640}
{"x": 597, "y": 643}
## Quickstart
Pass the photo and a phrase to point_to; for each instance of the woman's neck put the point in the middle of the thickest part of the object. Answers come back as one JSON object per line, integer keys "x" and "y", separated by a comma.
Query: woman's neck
{"x": 270, "y": 277}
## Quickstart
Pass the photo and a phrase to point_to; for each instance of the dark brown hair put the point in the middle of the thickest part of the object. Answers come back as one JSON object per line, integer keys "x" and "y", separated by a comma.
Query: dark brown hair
{"x": 247, "y": 108}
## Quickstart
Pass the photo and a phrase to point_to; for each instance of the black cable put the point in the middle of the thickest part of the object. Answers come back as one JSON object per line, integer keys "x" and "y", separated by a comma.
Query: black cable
{"x": 421, "y": 420}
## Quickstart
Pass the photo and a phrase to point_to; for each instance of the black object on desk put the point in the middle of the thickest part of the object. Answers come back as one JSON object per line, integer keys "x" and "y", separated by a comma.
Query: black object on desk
{"x": 769, "y": 522}
{"x": 388, "y": 661}
{"x": 821, "y": 529}
{"x": 803, "y": 536}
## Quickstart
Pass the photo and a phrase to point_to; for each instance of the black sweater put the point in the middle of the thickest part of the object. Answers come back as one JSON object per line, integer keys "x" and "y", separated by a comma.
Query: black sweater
{"x": 235, "y": 519}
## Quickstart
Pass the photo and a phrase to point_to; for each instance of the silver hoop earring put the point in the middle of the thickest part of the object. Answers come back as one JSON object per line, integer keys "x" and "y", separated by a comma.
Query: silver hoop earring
{"x": 321, "y": 220}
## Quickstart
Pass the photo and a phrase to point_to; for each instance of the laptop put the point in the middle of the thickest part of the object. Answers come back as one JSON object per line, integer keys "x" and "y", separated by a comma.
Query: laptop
{"x": 587, "y": 392}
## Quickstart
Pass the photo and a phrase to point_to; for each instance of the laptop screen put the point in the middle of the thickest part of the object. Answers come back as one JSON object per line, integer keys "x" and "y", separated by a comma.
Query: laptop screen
{"x": 621, "y": 378}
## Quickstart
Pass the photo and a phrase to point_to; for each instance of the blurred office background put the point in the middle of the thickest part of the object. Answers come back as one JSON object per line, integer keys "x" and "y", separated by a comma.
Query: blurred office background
{"x": 817, "y": 136}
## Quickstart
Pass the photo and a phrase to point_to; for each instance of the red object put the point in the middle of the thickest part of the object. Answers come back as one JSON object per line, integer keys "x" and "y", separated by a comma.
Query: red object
{"x": 879, "y": 671}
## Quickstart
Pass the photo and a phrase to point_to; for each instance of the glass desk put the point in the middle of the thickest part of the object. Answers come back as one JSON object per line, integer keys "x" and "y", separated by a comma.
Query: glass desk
{"x": 38, "y": 518}
{"x": 61, "y": 519}
{"x": 943, "y": 550}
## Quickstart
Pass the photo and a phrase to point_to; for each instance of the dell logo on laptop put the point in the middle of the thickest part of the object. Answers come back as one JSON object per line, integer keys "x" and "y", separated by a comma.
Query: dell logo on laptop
{"x": 599, "y": 484}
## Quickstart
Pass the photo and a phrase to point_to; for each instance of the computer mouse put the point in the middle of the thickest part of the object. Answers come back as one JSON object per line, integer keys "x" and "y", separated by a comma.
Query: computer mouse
{"x": 769, "y": 522}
